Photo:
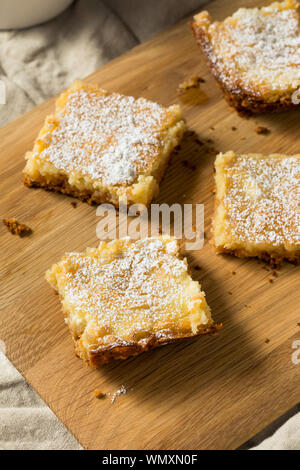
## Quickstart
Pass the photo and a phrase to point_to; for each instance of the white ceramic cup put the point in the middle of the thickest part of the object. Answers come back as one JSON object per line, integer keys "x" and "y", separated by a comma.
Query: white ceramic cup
{"x": 15, "y": 14}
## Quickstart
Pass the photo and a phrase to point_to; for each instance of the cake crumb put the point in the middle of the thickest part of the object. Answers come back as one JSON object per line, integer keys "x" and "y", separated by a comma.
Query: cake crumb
{"x": 274, "y": 263}
{"x": 17, "y": 228}
{"x": 197, "y": 267}
{"x": 234, "y": 128}
{"x": 98, "y": 393}
{"x": 212, "y": 150}
{"x": 177, "y": 149}
{"x": 229, "y": 292}
{"x": 122, "y": 391}
{"x": 190, "y": 133}
{"x": 192, "y": 82}
{"x": 233, "y": 272}
{"x": 74, "y": 204}
{"x": 298, "y": 324}
{"x": 261, "y": 130}
{"x": 272, "y": 276}
{"x": 267, "y": 340}
{"x": 187, "y": 164}
{"x": 266, "y": 268}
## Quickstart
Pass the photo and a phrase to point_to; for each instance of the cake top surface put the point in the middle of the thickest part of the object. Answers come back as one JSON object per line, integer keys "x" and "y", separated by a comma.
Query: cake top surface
{"x": 131, "y": 289}
{"x": 259, "y": 49}
{"x": 262, "y": 198}
{"x": 107, "y": 136}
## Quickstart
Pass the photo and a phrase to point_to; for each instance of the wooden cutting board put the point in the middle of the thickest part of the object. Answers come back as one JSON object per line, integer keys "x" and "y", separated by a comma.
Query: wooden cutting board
{"x": 214, "y": 392}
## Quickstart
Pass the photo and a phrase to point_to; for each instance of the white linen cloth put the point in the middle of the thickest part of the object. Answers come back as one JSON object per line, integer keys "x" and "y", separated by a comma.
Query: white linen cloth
{"x": 25, "y": 421}
{"x": 287, "y": 437}
{"x": 35, "y": 64}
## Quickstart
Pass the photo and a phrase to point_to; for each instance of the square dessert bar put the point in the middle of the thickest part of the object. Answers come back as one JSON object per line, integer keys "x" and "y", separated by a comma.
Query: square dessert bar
{"x": 102, "y": 147}
{"x": 126, "y": 297}
{"x": 257, "y": 206}
{"x": 254, "y": 55}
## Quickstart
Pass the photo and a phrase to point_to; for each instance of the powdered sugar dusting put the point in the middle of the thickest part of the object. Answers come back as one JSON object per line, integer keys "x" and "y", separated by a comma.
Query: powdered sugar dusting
{"x": 262, "y": 199}
{"x": 259, "y": 48}
{"x": 140, "y": 288}
{"x": 109, "y": 137}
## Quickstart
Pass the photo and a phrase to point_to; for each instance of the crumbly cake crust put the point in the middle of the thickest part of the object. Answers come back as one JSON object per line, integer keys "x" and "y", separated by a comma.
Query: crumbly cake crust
{"x": 104, "y": 146}
{"x": 254, "y": 55}
{"x": 257, "y": 206}
{"x": 61, "y": 184}
{"x": 127, "y": 297}
{"x": 17, "y": 228}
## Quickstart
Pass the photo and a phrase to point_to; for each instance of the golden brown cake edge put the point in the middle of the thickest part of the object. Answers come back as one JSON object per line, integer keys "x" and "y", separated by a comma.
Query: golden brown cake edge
{"x": 244, "y": 102}
{"x": 121, "y": 350}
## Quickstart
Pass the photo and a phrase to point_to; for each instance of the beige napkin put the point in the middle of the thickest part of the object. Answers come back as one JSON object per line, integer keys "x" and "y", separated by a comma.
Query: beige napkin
{"x": 25, "y": 421}
{"x": 287, "y": 437}
{"x": 38, "y": 63}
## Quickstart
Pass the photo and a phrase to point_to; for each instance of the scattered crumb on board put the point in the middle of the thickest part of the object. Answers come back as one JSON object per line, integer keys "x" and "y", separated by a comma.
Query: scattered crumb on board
{"x": 212, "y": 150}
{"x": 121, "y": 391}
{"x": 188, "y": 164}
{"x": 272, "y": 277}
{"x": 17, "y": 228}
{"x": 266, "y": 267}
{"x": 267, "y": 340}
{"x": 191, "y": 82}
{"x": 262, "y": 130}
{"x": 74, "y": 204}
{"x": 98, "y": 393}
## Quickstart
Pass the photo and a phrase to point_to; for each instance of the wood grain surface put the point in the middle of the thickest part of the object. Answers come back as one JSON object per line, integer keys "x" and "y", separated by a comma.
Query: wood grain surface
{"x": 210, "y": 393}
